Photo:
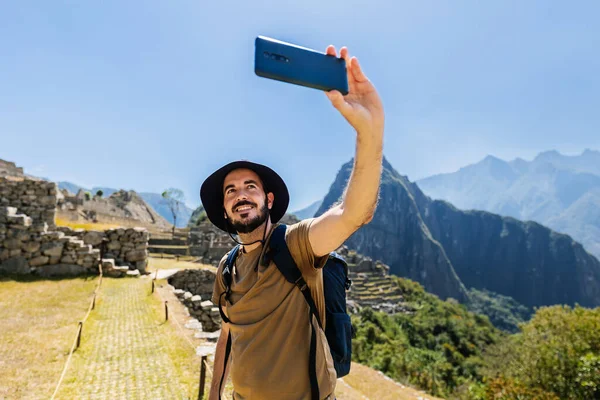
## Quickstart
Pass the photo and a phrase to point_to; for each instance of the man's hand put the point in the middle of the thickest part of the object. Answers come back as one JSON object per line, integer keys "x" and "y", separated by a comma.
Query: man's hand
{"x": 362, "y": 106}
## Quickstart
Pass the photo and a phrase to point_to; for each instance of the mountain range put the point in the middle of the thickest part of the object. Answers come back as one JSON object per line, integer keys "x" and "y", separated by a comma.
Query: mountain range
{"x": 308, "y": 211}
{"x": 450, "y": 251}
{"x": 155, "y": 200}
{"x": 556, "y": 190}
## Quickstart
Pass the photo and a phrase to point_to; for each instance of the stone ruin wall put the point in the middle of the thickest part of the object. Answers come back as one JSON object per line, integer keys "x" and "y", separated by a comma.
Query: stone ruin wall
{"x": 30, "y": 242}
{"x": 209, "y": 243}
{"x": 34, "y": 198}
{"x": 194, "y": 289}
{"x": 8, "y": 168}
{"x": 126, "y": 246}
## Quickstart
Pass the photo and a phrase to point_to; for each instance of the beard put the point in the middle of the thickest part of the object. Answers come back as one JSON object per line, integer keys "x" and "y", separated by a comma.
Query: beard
{"x": 250, "y": 225}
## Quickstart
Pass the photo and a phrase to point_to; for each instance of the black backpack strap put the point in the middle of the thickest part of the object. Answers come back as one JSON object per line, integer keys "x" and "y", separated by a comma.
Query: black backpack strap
{"x": 227, "y": 268}
{"x": 281, "y": 256}
{"x": 227, "y": 353}
{"x": 227, "y": 278}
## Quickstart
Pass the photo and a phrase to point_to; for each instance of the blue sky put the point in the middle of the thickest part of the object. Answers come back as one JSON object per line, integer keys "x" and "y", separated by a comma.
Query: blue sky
{"x": 155, "y": 94}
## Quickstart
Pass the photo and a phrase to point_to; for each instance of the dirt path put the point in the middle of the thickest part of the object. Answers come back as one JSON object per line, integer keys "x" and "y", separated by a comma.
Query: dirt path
{"x": 125, "y": 351}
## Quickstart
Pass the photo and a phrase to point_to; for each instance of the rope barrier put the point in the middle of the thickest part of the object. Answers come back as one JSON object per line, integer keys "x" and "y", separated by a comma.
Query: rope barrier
{"x": 77, "y": 340}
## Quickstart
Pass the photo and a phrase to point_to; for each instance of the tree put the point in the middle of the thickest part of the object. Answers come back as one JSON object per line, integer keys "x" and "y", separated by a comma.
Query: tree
{"x": 174, "y": 199}
{"x": 556, "y": 351}
{"x": 88, "y": 196}
{"x": 99, "y": 193}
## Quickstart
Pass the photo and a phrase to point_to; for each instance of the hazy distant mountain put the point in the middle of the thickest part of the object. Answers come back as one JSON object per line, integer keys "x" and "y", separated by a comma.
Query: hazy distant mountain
{"x": 153, "y": 199}
{"x": 156, "y": 201}
{"x": 562, "y": 192}
{"x": 450, "y": 251}
{"x": 308, "y": 212}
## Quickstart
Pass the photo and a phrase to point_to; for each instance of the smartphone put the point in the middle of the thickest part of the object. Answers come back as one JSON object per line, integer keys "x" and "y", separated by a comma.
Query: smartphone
{"x": 286, "y": 62}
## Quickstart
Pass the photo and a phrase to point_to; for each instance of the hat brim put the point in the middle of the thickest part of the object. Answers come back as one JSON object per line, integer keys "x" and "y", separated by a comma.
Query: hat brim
{"x": 211, "y": 192}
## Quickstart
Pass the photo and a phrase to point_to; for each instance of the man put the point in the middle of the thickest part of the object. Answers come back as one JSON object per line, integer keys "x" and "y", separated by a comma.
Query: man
{"x": 269, "y": 317}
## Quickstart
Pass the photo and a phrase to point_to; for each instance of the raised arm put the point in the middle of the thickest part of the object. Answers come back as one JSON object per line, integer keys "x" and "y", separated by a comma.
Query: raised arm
{"x": 362, "y": 108}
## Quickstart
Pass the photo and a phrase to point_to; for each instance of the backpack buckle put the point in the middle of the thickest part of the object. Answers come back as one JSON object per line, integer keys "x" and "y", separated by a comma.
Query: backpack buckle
{"x": 301, "y": 283}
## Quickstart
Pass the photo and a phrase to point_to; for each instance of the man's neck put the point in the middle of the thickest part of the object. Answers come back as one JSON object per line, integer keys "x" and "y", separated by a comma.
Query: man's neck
{"x": 256, "y": 234}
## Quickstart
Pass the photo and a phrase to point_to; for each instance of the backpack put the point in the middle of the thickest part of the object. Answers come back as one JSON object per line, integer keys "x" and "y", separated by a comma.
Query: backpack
{"x": 338, "y": 329}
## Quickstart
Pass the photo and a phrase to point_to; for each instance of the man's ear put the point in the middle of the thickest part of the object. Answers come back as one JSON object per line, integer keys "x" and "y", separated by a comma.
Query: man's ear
{"x": 271, "y": 199}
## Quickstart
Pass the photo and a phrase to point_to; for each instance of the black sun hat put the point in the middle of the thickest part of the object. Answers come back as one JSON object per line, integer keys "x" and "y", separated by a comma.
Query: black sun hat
{"x": 211, "y": 192}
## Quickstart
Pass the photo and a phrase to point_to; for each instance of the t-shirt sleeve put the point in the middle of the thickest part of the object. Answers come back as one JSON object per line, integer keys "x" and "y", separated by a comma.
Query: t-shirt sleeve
{"x": 219, "y": 285}
{"x": 296, "y": 237}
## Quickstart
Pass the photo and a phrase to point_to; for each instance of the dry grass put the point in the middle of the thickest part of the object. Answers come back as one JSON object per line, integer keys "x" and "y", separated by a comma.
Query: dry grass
{"x": 374, "y": 385}
{"x": 66, "y": 219}
{"x": 39, "y": 323}
{"x": 88, "y": 226}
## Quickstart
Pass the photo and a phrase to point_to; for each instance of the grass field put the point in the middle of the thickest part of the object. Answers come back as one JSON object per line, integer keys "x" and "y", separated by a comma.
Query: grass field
{"x": 39, "y": 323}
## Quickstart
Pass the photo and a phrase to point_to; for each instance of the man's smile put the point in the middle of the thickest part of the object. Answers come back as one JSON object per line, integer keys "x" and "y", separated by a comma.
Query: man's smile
{"x": 243, "y": 208}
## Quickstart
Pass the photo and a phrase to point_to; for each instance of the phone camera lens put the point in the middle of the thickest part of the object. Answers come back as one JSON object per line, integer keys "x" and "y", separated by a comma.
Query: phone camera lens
{"x": 266, "y": 54}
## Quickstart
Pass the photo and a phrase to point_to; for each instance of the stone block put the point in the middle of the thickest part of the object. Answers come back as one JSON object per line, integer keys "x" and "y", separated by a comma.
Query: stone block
{"x": 61, "y": 270}
{"x": 37, "y": 261}
{"x": 141, "y": 266}
{"x": 113, "y": 245}
{"x": 93, "y": 237}
{"x": 15, "y": 265}
{"x": 19, "y": 220}
{"x": 12, "y": 244}
{"x": 196, "y": 299}
{"x": 68, "y": 259}
{"x": 85, "y": 249}
{"x": 207, "y": 305}
{"x": 31, "y": 247}
{"x": 23, "y": 236}
{"x": 136, "y": 255}
{"x": 8, "y": 211}
{"x": 52, "y": 249}
{"x": 54, "y": 260}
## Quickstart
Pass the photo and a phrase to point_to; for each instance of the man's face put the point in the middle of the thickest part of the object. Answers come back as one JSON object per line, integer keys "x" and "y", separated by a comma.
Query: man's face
{"x": 244, "y": 200}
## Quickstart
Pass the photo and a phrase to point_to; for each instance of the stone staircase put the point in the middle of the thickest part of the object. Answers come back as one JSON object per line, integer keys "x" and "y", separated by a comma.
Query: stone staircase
{"x": 114, "y": 271}
{"x": 60, "y": 248}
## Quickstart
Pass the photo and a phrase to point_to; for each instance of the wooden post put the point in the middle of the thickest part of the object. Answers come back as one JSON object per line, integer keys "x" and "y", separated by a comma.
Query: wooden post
{"x": 202, "y": 378}
{"x": 166, "y": 311}
{"x": 79, "y": 334}
{"x": 152, "y": 286}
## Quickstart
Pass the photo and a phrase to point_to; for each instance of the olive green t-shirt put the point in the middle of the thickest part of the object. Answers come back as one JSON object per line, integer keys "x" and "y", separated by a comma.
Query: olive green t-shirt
{"x": 270, "y": 329}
